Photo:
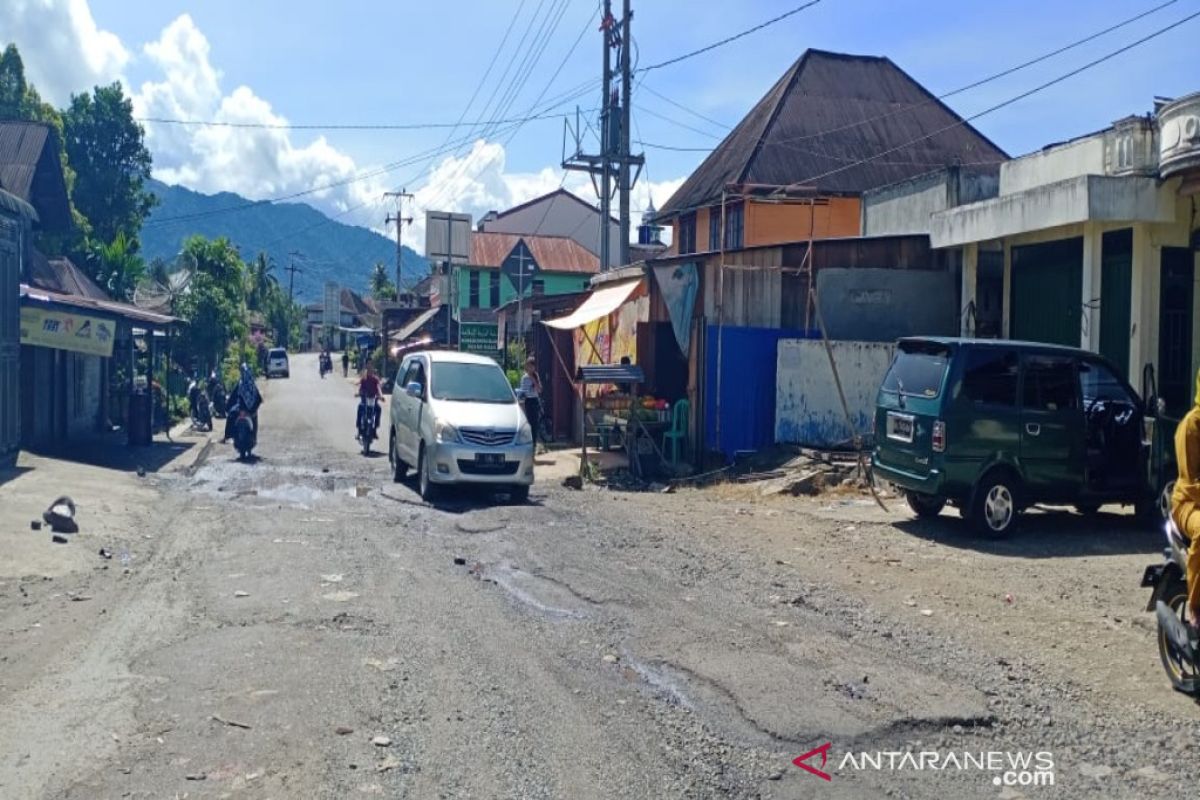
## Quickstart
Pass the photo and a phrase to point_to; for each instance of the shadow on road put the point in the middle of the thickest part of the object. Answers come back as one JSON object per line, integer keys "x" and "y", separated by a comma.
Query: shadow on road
{"x": 110, "y": 451}
{"x": 12, "y": 473}
{"x": 1045, "y": 533}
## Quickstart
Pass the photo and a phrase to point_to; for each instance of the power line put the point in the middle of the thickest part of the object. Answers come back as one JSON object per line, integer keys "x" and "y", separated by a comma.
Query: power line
{"x": 982, "y": 81}
{"x": 677, "y": 123}
{"x": 1004, "y": 103}
{"x": 331, "y": 126}
{"x": 729, "y": 39}
{"x": 682, "y": 107}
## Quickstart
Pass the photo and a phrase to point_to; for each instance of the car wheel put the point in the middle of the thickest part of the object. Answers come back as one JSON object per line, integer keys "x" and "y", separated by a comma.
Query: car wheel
{"x": 399, "y": 468}
{"x": 426, "y": 487}
{"x": 925, "y": 505}
{"x": 996, "y": 506}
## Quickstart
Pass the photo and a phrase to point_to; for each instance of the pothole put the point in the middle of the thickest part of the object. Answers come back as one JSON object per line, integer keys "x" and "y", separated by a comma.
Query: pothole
{"x": 529, "y": 590}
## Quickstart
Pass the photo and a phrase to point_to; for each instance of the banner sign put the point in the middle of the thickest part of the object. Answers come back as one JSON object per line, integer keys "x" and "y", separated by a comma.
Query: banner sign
{"x": 479, "y": 338}
{"x": 66, "y": 330}
{"x": 678, "y": 286}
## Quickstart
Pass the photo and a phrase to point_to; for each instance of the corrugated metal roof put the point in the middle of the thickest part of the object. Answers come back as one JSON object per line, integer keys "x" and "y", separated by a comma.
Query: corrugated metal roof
{"x": 62, "y": 276}
{"x": 34, "y": 294}
{"x": 829, "y": 111}
{"x": 552, "y": 253}
{"x": 30, "y": 169}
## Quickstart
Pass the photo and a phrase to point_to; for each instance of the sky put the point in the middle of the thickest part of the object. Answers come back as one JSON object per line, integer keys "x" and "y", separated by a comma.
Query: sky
{"x": 312, "y": 62}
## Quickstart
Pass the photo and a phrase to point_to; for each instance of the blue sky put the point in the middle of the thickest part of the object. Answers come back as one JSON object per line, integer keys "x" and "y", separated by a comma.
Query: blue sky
{"x": 400, "y": 62}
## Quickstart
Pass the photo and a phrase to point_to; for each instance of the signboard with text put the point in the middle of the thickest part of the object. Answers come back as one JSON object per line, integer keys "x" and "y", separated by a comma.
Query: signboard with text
{"x": 66, "y": 330}
{"x": 332, "y": 305}
{"x": 479, "y": 338}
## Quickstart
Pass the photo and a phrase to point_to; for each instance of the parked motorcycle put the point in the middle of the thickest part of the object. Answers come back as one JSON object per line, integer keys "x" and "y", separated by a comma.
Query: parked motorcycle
{"x": 245, "y": 436}
{"x": 367, "y": 420}
{"x": 201, "y": 412}
{"x": 1179, "y": 653}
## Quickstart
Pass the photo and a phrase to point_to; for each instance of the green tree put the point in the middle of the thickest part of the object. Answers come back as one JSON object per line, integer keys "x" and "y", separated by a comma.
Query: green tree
{"x": 116, "y": 266}
{"x": 214, "y": 302}
{"x": 106, "y": 148}
{"x": 382, "y": 287}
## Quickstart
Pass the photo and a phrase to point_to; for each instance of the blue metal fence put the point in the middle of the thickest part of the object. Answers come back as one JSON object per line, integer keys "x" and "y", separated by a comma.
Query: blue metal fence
{"x": 747, "y": 404}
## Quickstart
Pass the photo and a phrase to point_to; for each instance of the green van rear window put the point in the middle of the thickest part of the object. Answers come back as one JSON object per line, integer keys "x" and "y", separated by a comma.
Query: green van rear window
{"x": 918, "y": 370}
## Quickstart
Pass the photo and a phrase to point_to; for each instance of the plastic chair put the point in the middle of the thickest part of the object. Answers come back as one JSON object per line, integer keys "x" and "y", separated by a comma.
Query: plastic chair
{"x": 677, "y": 433}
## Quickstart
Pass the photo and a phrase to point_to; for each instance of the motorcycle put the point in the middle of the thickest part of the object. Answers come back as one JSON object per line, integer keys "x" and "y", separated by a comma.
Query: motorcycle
{"x": 1179, "y": 653}
{"x": 326, "y": 365}
{"x": 245, "y": 436}
{"x": 201, "y": 412}
{"x": 368, "y": 412}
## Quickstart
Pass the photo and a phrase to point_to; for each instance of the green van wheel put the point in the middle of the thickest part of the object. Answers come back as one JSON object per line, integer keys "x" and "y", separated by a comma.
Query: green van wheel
{"x": 925, "y": 505}
{"x": 996, "y": 507}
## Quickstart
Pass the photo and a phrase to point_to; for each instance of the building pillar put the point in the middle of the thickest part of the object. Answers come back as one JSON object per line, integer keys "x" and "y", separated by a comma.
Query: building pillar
{"x": 1089, "y": 318}
{"x": 1143, "y": 314}
{"x": 969, "y": 278}
{"x": 1006, "y": 304}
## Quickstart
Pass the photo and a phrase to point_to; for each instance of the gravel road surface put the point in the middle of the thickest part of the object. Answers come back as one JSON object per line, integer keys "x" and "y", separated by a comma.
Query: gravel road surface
{"x": 301, "y": 627}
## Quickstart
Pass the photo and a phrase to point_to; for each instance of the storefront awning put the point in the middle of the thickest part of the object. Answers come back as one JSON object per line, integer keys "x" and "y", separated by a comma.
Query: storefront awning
{"x": 415, "y": 324}
{"x": 600, "y": 303}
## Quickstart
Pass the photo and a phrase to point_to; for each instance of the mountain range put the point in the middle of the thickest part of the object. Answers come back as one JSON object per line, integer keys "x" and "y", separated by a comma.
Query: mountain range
{"x": 330, "y": 250}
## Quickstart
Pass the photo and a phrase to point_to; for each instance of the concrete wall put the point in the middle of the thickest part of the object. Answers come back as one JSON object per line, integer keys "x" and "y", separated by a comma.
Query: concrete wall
{"x": 808, "y": 410}
{"x": 882, "y": 305}
{"x": 1070, "y": 160}
{"x": 905, "y": 208}
{"x": 560, "y": 216}
{"x": 84, "y": 389}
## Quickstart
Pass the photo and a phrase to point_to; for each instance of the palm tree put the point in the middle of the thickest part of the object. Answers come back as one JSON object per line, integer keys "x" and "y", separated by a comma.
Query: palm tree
{"x": 116, "y": 266}
{"x": 381, "y": 284}
{"x": 263, "y": 282}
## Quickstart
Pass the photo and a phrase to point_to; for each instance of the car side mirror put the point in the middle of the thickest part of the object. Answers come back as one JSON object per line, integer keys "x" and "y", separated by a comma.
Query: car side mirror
{"x": 414, "y": 389}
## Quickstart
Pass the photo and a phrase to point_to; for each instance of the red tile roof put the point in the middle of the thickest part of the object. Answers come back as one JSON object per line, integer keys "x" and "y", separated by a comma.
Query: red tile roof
{"x": 552, "y": 253}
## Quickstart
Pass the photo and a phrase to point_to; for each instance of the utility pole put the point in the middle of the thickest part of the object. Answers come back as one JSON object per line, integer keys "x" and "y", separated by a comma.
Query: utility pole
{"x": 292, "y": 269}
{"x": 400, "y": 221}
{"x": 614, "y": 155}
{"x": 623, "y": 183}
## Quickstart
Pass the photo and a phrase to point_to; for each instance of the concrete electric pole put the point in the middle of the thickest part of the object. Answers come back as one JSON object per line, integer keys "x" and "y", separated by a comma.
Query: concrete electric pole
{"x": 400, "y": 221}
{"x": 614, "y": 152}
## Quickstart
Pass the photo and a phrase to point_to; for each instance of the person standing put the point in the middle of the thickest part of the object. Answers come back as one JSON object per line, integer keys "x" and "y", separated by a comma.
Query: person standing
{"x": 345, "y": 363}
{"x": 530, "y": 390}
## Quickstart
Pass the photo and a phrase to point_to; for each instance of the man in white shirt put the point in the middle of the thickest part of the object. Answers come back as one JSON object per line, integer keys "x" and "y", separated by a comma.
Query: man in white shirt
{"x": 530, "y": 391}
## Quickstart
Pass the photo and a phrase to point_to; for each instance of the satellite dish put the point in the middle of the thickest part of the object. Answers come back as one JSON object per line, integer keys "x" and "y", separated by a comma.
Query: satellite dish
{"x": 161, "y": 293}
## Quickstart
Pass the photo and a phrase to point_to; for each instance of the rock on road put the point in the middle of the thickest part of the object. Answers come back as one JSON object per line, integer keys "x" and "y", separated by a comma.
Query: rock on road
{"x": 300, "y": 626}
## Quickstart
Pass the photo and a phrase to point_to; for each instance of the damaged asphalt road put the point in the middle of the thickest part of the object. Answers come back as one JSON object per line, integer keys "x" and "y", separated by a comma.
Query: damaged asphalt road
{"x": 300, "y": 626}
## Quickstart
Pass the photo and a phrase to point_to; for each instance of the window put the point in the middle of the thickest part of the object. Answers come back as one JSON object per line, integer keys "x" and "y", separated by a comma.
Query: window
{"x": 1099, "y": 383}
{"x": 1050, "y": 383}
{"x": 990, "y": 376}
{"x": 539, "y": 287}
{"x": 734, "y": 226}
{"x": 687, "y": 234}
{"x": 494, "y": 290}
{"x": 414, "y": 374}
{"x": 714, "y": 228}
{"x": 918, "y": 370}
{"x": 473, "y": 289}
{"x": 471, "y": 383}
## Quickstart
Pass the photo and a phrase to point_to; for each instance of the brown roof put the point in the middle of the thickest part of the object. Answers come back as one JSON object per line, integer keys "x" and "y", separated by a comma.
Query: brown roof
{"x": 60, "y": 275}
{"x": 109, "y": 307}
{"x": 30, "y": 169}
{"x": 552, "y": 253}
{"x": 826, "y": 114}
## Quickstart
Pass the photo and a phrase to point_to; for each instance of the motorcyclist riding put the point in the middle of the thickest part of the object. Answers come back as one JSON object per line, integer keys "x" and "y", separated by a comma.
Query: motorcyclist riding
{"x": 368, "y": 387}
{"x": 245, "y": 397}
{"x": 1185, "y": 504}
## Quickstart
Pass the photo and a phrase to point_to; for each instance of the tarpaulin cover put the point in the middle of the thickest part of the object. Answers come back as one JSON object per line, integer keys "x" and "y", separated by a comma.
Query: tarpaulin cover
{"x": 748, "y": 364}
{"x": 600, "y": 303}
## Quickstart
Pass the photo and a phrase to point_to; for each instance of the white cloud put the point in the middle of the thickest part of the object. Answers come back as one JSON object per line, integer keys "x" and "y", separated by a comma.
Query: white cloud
{"x": 258, "y": 163}
{"x": 63, "y": 48}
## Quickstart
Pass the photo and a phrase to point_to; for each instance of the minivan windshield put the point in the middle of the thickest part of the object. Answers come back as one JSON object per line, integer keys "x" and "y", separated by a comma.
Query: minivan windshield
{"x": 918, "y": 370}
{"x": 277, "y": 352}
{"x": 470, "y": 383}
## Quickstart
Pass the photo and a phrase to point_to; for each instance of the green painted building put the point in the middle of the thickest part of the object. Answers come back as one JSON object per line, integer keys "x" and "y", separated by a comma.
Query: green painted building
{"x": 504, "y": 265}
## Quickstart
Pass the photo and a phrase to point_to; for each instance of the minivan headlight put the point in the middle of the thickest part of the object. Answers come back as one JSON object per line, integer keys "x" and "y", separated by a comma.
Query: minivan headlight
{"x": 525, "y": 434}
{"x": 446, "y": 433}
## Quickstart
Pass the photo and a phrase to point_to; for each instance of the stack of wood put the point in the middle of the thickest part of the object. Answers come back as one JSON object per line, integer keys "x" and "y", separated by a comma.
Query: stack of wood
{"x": 810, "y": 473}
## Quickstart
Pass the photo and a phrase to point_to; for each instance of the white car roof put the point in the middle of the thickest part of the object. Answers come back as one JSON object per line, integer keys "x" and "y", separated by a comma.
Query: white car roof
{"x": 453, "y": 356}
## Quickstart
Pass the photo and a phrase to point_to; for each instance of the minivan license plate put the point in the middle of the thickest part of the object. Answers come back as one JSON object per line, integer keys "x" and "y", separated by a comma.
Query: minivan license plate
{"x": 489, "y": 459}
{"x": 899, "y": 427}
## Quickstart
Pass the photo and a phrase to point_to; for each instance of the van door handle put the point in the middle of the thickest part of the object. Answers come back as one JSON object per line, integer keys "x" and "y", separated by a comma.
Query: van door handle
{"x": 1032, "y": 428}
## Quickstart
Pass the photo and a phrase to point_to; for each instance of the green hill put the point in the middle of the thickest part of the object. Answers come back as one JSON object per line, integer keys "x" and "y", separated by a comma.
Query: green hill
{"x": 332, "y": 250}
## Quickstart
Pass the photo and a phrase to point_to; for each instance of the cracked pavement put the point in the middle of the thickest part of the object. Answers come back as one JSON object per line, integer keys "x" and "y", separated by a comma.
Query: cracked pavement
{"x": 286, "y": 613}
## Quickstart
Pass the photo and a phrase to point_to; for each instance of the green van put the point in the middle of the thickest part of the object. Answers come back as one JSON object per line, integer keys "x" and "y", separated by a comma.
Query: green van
{"x": 994, "y": 426}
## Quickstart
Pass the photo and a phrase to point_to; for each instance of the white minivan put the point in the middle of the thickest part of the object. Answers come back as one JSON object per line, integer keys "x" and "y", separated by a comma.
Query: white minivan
{"x": 455, "y": 420}
{"x": 277, "y": 363}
